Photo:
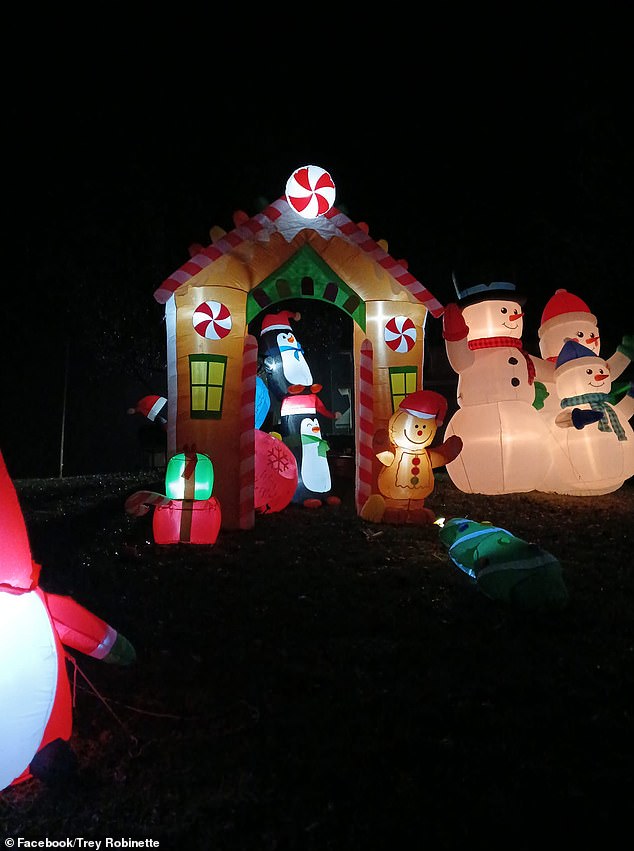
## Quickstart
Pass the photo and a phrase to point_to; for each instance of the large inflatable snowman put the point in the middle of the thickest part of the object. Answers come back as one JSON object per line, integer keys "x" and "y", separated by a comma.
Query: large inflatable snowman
{"x": 598, "y": 441}
{"x": 35, "y": 697}
{"x": 505, "y": 443}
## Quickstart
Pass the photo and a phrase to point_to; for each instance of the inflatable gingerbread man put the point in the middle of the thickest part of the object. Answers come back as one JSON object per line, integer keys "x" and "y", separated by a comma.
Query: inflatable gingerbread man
{"x": 406, "y": 477}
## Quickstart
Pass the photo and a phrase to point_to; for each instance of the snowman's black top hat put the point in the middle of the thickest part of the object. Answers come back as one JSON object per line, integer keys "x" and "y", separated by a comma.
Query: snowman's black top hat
{"x": 501, "y": 290}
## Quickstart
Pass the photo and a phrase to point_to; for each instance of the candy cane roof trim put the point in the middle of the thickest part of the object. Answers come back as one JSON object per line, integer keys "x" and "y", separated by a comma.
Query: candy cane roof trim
{"x": 279, "y": 217}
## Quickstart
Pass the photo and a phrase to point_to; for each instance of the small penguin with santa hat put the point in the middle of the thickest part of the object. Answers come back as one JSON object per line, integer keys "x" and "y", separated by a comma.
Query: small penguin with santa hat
{"x": 286, "y": 368}
{"x": 301, "y": 432}
{"x": 35, "y": 696}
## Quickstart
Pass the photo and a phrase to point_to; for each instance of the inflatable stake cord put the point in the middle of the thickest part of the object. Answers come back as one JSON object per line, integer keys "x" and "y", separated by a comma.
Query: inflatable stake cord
{"x": 35, "y": 696}
{"x": 505, "y": 567}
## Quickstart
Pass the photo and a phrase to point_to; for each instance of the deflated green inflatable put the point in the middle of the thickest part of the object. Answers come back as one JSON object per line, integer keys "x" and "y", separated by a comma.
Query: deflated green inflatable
{"x": 505, "y": 567}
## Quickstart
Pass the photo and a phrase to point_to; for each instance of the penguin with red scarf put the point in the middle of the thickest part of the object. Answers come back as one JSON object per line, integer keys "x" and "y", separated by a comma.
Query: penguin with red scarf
{"x": 35, "y": 694}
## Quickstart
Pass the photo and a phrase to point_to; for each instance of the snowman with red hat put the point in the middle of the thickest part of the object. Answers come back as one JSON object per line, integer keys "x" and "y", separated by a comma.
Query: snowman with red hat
{"x": 35, "y": 696}
{"x": 286, "y": 368}
{"x": 406, "y": 477}
{"x": 506, "y": 445}
{"x": 567, "y": 317}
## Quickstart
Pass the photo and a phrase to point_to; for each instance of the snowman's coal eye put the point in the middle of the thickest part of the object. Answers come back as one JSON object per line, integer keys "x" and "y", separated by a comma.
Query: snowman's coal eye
{"x": 504, "y": 310}
{"x": 580, "y": 334}
{"x": 588, "y": 372}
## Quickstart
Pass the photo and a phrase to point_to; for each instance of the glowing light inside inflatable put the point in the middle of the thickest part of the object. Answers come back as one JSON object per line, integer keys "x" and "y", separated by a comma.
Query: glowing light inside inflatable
{"x": 505, "y": 441}
{"x": 527, "y": 423}
{"x": 310, "y": 191}
{"x": 189, "y": 476}
{"x": 35, "y": 697}
{"x": 28, "y": 680}
{"x": 406, "y": 477}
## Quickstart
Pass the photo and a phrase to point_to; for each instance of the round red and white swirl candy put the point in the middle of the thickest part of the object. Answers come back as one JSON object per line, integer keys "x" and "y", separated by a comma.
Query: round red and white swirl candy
{"x": 212, "y": 320}
{"x": 400, "y": 334}
{"x": 310, "y": 191}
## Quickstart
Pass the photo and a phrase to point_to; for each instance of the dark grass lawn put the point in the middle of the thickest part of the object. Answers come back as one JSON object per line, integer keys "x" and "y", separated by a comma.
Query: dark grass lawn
{"x": 322, "y": 683}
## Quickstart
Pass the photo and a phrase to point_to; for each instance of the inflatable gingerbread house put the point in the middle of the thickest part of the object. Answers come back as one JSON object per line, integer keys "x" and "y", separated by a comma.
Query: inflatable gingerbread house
{"x": 300, "y": 246}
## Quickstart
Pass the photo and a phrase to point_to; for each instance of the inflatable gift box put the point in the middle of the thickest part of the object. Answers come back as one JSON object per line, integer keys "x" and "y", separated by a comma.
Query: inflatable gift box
{"x": 187, "y": 521}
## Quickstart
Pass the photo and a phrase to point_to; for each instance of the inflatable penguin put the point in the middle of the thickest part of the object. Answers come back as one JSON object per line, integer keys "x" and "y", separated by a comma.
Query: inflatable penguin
{"x": 286, "y": 368}
{"x": 35, "y": 695}
{"x": 301, "y": 432}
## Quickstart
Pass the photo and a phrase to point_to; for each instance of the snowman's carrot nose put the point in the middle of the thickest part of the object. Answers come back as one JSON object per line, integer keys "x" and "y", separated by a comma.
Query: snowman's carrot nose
{"x": 592, "y": 339}
{"x": 600, "y": 376}
{"x": 516, "y": 315}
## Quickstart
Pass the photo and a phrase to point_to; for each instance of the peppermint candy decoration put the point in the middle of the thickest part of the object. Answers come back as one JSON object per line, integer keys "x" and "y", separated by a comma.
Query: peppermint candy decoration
{"x": 400, "y": 334}
{"x": 310, "y": 191}
{"x": 212, "y": 320}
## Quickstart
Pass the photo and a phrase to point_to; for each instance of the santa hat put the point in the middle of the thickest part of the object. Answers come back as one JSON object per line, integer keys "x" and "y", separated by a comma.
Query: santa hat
{"x": 17, "y": 568}
{"x": 566, "y": 306}
{"x": 500, "y": 290}
{"x": 152, "y": 407}
{"x": 426, "y": 404}
{"x": 278, "y": 321}
{"x": 572, "y": 355}
{"x": 308, "y": 404}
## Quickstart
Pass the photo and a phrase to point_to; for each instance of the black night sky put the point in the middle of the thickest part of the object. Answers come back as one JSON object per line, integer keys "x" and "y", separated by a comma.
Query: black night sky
{"x": 501, "y": 172}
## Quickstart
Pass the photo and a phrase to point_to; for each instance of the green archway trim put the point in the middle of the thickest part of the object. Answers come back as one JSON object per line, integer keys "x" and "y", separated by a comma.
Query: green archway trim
{"x": 306, "y": 275}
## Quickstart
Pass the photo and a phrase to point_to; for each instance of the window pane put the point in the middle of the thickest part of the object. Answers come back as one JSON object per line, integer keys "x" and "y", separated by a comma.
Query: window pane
{"x": 198, "y": 398}
{"x": 216, "y": 373}
{"x": 398, "y": 382}
{"x": 199, "y": 372}
{"x": 214, "y": 399}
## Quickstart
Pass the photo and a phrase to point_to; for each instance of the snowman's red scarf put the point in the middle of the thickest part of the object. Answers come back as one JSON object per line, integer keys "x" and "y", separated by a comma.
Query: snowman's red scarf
{"x": 503, "y": 342}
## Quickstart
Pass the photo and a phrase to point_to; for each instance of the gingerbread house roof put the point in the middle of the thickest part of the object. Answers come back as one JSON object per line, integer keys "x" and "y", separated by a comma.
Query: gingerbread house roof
{"x": 280, "y": 218}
